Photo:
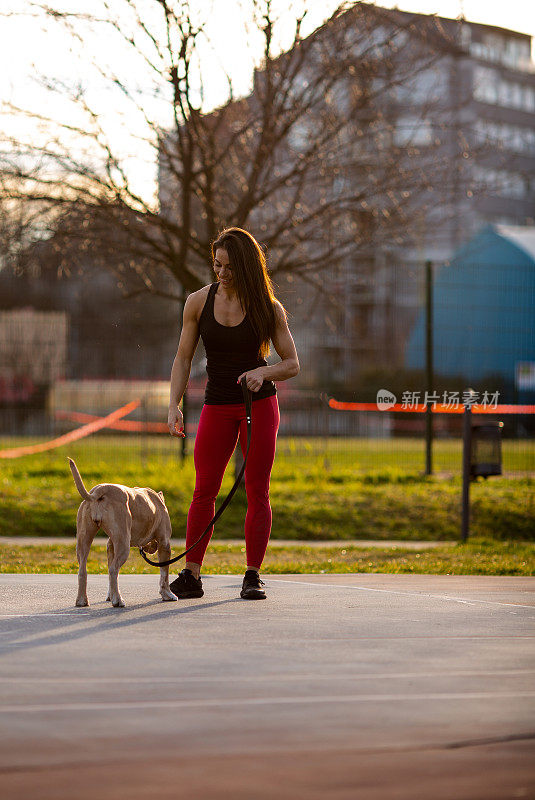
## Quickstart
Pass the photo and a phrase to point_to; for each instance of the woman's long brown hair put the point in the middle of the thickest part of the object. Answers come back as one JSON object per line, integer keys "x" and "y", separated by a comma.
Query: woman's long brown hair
{"x": 251, "y": 279}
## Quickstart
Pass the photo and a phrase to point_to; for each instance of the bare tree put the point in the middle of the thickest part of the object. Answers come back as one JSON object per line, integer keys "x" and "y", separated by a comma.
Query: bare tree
{"x": 309, "y": 160}
{"x": 19, "y": 224}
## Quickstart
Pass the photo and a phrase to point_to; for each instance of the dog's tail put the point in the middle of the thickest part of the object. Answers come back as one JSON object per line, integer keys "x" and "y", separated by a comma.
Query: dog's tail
{"x": 78, "y": 481}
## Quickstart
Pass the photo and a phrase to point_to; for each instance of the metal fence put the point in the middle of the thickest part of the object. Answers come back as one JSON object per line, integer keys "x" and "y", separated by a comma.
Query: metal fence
{"x": 375, "y": 324}
{"x": 311, "y": 432}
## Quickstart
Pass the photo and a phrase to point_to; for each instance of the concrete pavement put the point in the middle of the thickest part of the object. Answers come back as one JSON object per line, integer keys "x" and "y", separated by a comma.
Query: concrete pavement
{"x": 337, "y": 686}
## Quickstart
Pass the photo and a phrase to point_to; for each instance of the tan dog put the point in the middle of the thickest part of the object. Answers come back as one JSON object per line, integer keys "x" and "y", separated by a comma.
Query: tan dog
{"x": 130, "y": 517}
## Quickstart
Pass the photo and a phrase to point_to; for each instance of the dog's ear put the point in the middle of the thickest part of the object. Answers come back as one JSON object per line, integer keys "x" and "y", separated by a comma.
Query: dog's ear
{"x": 160, "y": 494}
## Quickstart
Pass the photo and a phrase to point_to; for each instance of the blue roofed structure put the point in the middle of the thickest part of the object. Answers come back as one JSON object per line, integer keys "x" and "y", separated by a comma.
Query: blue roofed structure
{"x": 484, "y": 312}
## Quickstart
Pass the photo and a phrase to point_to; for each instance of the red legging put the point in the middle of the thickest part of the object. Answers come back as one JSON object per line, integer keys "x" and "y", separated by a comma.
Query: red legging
{"x": 219, "y": 426}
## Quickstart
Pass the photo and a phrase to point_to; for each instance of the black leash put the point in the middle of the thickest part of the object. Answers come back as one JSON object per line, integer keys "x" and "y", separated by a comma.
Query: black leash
{"x": 248, "y": 410}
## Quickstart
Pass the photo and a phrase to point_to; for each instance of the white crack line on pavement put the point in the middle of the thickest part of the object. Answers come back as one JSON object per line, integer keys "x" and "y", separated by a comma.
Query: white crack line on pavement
{"x": 253, "y": 701}
{"x": 499, "y": 673}
{"x": 471, "y": 602}
{"x": 57, "y": 613}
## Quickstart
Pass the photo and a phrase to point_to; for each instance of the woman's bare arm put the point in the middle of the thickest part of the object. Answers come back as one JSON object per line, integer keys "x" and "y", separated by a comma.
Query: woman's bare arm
{"x": 189, "y": 338}
{"x": 284, "y": 344}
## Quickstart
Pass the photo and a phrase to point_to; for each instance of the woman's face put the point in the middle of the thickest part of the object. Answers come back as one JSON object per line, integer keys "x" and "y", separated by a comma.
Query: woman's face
{"x": 222, "y": 268}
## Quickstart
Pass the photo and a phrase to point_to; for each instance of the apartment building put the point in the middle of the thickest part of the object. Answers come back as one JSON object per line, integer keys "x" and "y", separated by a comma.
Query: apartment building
{"x": 462, "y": 130}
{"x": 473, "y": 110}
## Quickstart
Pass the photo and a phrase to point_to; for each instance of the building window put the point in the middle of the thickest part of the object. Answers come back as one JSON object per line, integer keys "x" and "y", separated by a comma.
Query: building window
{"x": 504, "y": 93}
{"x": 528, "y": 98}
{"x": 427, "y": 86}
{"x": 412, "y": 131}
{"x": 503, "y": 49}
{"x": 513, "y": 137}
{"x": 501, "y": 182}
{"x": 485, "y": 85}
{"x": 516, "y": 95}
{"x": 489, "y": 87}
{"x": 301, "y": 135}
{"x": 338, "y": 96}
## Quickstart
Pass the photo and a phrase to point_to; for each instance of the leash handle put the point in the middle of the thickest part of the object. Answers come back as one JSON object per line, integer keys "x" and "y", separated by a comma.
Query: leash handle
{"x": 247, "y": 397}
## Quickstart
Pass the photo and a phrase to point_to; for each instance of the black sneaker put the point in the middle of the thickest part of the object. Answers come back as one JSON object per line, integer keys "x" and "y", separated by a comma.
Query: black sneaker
{"x": 251, "y": 586}
{"x": 187, "y": 585}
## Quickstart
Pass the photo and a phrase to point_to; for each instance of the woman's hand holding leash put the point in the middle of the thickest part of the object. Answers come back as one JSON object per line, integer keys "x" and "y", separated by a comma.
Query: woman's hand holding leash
{"x": 175, "y": 421}
{"x": 254, "y": 379}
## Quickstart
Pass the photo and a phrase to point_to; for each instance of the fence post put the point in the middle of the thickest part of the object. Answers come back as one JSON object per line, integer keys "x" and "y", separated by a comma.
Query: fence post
{"x": 428, "y": 365}
{"x": 144, "y": 442}
{"x": 467, "y": 441}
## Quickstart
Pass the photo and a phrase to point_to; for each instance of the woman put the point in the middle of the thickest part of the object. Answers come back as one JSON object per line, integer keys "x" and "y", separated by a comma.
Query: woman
{"x": 236, "y": 317}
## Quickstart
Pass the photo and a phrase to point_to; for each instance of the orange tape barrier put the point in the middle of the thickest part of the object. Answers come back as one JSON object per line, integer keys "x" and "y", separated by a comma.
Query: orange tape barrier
{"x": 122, "y": 425}
{"x": 79, "y": 433}
{"x": 437, "y": 408}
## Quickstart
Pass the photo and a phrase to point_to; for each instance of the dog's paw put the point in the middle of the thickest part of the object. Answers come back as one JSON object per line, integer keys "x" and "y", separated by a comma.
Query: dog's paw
{"x": 168, "y": 596}
{"x": 119, "y": 603}
{"x": 108, "y": 599}
{"x": 81, "y": 602}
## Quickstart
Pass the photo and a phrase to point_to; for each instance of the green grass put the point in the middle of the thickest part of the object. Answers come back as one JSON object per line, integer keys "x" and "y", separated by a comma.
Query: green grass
{"x": 320, "y": 489}
{"x": 473, "y": 558}
{"x": 401, "y": 453}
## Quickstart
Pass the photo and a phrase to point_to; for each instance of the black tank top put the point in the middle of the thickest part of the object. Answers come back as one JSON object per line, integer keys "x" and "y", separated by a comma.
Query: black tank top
{"x": 230, "y": 350}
